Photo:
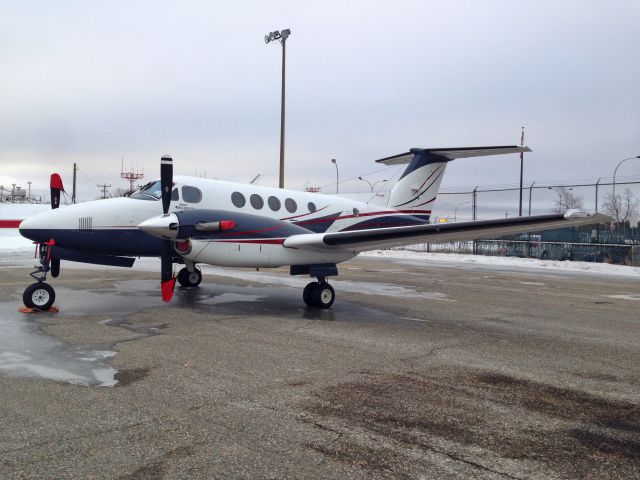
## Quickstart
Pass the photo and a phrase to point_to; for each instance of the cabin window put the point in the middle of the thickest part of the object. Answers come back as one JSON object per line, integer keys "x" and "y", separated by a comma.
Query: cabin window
{"x": 291, "y": 205}
{"x": 356, "y": 212}
{"x": 174, "y": 195}
{"x": 274, "y": 203}
{"x": 256, "y": 201}
{"x": 191, "y": 194}
{"x": 238, "y": 199}
{"x": 312, "y": 207}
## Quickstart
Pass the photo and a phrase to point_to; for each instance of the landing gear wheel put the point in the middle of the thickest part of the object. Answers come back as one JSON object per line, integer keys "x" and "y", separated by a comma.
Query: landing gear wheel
{"x": 189, "y": 279}
{"x": 306, "y": 293}
{"x": 39, "y": 295}
{"x": 319, "y": 295}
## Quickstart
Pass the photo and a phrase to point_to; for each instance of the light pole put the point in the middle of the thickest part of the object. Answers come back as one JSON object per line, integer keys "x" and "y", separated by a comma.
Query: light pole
{"x": 371, "y": 186}
{"x": 334, "y": 161}
{"x": 614, "y": 174}
{"x": 455, "y": 212}
{"x": 282, "y": 37}
{"x": 13, "y": 193}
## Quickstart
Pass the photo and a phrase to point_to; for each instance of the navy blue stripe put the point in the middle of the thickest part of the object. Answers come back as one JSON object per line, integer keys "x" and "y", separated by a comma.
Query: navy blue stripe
{"x": 388, "y": 221}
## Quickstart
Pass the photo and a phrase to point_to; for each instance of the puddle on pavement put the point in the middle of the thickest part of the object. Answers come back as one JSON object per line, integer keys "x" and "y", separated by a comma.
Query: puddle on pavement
{"x": 27, "y": 351}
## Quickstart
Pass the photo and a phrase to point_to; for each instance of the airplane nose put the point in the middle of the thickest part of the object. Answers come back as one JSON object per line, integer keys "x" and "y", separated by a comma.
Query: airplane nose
{"x": 33, "y": 229}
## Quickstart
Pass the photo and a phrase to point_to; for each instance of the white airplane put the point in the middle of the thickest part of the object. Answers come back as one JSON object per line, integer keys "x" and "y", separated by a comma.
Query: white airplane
{"x": 187, "y": 220}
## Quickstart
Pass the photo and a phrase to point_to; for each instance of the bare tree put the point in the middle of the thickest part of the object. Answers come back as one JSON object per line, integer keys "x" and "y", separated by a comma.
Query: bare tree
{"x": 567, "y": 200}
{"x": 624, "y": 208}
{"x": 118, "y": 192}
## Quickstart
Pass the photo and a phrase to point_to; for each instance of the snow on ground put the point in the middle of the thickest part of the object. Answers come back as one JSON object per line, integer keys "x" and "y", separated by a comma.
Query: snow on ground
{"x": 509, "y": 262}
{"x": 11, "y": 241}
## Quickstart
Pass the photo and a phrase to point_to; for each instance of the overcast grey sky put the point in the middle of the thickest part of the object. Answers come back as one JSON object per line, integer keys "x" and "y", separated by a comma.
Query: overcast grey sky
{"x": 90, "y": 82}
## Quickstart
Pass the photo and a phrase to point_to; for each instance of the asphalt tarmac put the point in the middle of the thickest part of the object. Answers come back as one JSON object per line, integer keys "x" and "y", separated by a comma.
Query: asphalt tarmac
{"x": 418, "y": 371}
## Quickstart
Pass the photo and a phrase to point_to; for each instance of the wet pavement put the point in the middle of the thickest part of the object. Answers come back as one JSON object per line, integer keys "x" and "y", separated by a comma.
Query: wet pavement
{"x": 418, "y": 371}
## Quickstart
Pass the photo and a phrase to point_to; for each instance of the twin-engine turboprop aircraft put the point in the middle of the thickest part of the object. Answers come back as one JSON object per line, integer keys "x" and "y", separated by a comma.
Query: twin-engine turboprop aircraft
{"x": 189, "y": 220}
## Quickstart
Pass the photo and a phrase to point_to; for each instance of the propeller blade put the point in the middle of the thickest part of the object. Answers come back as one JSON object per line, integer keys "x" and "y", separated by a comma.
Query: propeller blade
{"x": 166, "y": 181}
{"x": 168, "y": 282}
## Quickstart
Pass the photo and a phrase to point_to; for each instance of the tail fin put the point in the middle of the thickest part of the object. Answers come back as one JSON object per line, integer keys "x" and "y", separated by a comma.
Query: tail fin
{"x": 418, "y": 186}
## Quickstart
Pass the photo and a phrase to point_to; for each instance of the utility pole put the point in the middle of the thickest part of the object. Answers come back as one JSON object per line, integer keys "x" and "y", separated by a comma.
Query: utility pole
{"x": 474, "y": 203}
{"x": 282, "y": 37}
{"x": 73, "y": 192}
{"x": 597, "y": 185}
{"x": 13, "y": 193}
{"x": 104, "y": 187}
{"x": 29, "y": 194}
{"x": 530, "y": 190}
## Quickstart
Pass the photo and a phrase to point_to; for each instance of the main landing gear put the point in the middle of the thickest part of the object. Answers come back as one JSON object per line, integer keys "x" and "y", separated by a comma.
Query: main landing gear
{"x": 189, "y": 279}
{"x": 319, "y": 294}
{"x": 40, "y": 295}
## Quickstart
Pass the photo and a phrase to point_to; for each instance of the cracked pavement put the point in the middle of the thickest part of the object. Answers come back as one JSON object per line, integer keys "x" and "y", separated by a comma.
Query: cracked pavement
{"x": 505, "y": 379}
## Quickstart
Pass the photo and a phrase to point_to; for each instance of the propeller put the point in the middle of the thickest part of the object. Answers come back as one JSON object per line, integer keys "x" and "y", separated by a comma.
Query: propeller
{"x": 167, "y": 280}
{"x": 56, "y": 189}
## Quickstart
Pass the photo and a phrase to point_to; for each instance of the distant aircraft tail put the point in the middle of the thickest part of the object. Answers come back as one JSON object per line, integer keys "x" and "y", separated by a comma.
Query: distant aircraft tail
{"x": 418, "y": 186}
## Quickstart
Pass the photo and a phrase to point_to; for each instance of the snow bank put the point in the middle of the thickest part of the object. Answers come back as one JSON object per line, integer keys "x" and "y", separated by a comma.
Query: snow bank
{"x": 12, "y": 241}
{"x": 510, "y": 262}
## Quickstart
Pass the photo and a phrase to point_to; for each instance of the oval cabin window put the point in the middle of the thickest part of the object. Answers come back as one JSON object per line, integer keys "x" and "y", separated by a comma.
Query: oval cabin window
{"x": 291, "y": 205}
{"x": 238, "y": 199}
{"x": 256, "y": 201}
{"x": 312, "y": 207}
{"x": 274, "y": 203}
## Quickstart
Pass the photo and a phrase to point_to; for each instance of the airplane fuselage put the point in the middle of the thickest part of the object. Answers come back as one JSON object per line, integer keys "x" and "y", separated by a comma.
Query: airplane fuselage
{"x": 265, "y": 217}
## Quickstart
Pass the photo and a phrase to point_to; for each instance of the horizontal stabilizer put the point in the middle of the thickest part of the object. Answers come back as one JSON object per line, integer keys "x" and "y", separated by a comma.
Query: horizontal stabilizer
{"x": 453, "y": 153}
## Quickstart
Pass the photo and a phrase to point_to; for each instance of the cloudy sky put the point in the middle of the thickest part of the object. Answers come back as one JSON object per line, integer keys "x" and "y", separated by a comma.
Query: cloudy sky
{"x": 92, "y": 82}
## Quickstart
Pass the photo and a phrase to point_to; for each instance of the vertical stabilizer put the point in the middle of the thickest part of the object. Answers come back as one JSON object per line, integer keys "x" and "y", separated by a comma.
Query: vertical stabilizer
{"x": 418, "y": 186}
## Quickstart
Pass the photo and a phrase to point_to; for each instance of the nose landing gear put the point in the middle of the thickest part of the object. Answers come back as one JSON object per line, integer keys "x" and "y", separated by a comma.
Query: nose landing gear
{"x": 319, "y": 294}
{"x": 40, "y": 295}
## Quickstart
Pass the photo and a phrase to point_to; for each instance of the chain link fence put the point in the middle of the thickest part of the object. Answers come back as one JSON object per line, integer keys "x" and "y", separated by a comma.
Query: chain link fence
{"x": 617, "y": 243}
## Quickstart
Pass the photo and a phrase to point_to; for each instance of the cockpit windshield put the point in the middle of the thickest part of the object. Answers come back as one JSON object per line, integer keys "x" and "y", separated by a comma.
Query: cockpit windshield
{"x": 151, "y": 191}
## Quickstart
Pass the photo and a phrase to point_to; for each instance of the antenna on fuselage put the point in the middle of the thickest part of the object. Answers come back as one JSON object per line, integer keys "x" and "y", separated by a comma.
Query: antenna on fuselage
{"x": 255, "y": 179}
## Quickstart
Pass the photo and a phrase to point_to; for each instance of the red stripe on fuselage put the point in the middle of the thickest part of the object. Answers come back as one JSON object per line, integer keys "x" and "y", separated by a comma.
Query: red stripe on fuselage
{"x": 367, "y": 214}
{"x": 10, "y": 223}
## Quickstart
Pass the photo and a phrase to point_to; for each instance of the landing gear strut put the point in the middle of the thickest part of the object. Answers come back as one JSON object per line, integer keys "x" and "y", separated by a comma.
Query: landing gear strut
{"x": 189, "y": 279}
{"x": 319, "y": 294}
{"x": 40, "y": 295}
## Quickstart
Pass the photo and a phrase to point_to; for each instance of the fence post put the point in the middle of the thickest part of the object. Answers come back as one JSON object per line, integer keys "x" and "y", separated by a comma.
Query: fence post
{"x": 530, "y": 190}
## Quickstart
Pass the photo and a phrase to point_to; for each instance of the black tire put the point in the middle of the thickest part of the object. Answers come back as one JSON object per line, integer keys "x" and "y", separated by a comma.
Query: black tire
{"x": 39, "y": 295}
{"x": 189, "y": 279}
{"x": 55, "y": 267}
{"x": 322, "y": 295}
{"x": 306, "y": 294}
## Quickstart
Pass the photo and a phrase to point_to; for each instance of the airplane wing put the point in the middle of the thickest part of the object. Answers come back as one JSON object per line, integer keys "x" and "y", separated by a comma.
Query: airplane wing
{"x": 372, "y": 239}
